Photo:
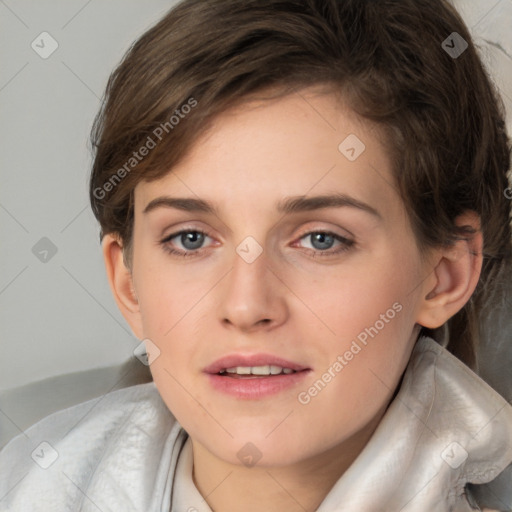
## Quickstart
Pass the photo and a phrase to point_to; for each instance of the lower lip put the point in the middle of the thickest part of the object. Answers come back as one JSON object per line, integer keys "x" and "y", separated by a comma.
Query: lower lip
{"x": 257, "y": 387}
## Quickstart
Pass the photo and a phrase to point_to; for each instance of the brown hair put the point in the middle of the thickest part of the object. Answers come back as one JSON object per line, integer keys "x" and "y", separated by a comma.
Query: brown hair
{"x": 441, "y": 113}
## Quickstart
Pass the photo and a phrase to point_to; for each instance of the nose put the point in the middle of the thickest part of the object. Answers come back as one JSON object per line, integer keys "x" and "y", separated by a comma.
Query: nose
{"x": 252, "y": 298}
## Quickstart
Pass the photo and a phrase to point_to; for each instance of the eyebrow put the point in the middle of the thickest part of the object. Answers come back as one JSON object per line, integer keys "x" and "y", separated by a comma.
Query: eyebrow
{"x": 288, "y": 205}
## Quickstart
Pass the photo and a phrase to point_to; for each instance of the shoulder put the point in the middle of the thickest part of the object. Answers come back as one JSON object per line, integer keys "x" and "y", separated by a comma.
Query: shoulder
{"x": 61, "y": 453}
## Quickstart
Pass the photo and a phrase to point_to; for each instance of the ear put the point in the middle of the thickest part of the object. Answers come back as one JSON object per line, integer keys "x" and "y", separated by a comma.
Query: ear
{"x": 121, "y": 283}
{"x": 454, "y": 277}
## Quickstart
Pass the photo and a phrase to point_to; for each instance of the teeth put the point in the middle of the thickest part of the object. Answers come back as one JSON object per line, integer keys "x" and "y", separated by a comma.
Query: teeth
{"x": 258, "y": 370}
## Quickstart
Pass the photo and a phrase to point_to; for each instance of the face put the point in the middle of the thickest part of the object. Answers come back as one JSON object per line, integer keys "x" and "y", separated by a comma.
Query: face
{"x": 289, "y": 248}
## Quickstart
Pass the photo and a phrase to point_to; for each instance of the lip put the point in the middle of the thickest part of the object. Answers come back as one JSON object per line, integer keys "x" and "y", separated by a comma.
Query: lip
{"x": 254, "y": 388}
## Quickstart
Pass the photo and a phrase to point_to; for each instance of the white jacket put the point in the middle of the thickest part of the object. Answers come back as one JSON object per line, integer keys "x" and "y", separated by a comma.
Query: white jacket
{"x": 445, "y": 427}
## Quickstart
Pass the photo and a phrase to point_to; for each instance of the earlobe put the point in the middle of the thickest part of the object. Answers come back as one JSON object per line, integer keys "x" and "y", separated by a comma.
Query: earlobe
{"x": 454, "y": 277}
{"x": 121, "y": 283}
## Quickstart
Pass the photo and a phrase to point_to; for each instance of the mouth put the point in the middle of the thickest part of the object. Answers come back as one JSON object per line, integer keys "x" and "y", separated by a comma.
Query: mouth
{"x": 255, "y": 372}
{"x": 254, "y": 376}
{"x": 253, "y": 365}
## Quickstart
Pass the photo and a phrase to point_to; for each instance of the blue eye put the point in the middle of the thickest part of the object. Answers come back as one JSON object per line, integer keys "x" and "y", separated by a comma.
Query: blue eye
{"x": 190, "y": 240}
{"x": 323, "y": 241}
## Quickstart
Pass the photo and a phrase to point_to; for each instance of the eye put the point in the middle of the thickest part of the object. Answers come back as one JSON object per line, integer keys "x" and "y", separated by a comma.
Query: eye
{"x": 322, "y": 242}
{"x": 188, "y": 242}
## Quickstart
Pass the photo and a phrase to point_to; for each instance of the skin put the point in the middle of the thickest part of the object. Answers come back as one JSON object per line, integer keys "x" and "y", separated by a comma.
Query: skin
{"x": 288, "y": 302}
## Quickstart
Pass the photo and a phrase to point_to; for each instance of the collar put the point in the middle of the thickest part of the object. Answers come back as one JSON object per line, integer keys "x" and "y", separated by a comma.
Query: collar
{"x": 444, "y": 428}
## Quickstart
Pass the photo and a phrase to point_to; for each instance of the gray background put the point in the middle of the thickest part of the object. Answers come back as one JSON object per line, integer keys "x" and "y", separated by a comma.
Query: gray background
{"x": 56, "y": 311}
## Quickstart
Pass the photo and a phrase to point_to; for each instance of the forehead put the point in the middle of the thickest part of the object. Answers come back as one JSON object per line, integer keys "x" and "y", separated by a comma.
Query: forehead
{"x": 303, "y": 144}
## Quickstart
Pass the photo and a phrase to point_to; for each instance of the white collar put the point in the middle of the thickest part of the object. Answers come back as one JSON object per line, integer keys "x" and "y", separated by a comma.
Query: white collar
{"x": 445, "y": 427}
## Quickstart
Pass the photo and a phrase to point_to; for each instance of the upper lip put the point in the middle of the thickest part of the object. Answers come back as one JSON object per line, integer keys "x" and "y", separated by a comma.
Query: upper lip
{"x": 234, "y": 360}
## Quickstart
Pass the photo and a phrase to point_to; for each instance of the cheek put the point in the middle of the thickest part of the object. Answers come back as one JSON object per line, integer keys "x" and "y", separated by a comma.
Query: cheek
{"x": 168, "y": 313}
{"x": 362, "y": 365}
{"x": 167, "y": 295}
{"x": 370, "y": 316}
{"x": 348, "y": 299}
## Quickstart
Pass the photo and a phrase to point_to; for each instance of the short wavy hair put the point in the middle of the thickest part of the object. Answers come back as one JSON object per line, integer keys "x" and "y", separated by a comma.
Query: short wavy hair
{"x": 442, "y": 115}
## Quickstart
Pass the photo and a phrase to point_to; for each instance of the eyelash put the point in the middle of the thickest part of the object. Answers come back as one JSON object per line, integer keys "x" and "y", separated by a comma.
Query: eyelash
{"x": 346, "y": 244}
